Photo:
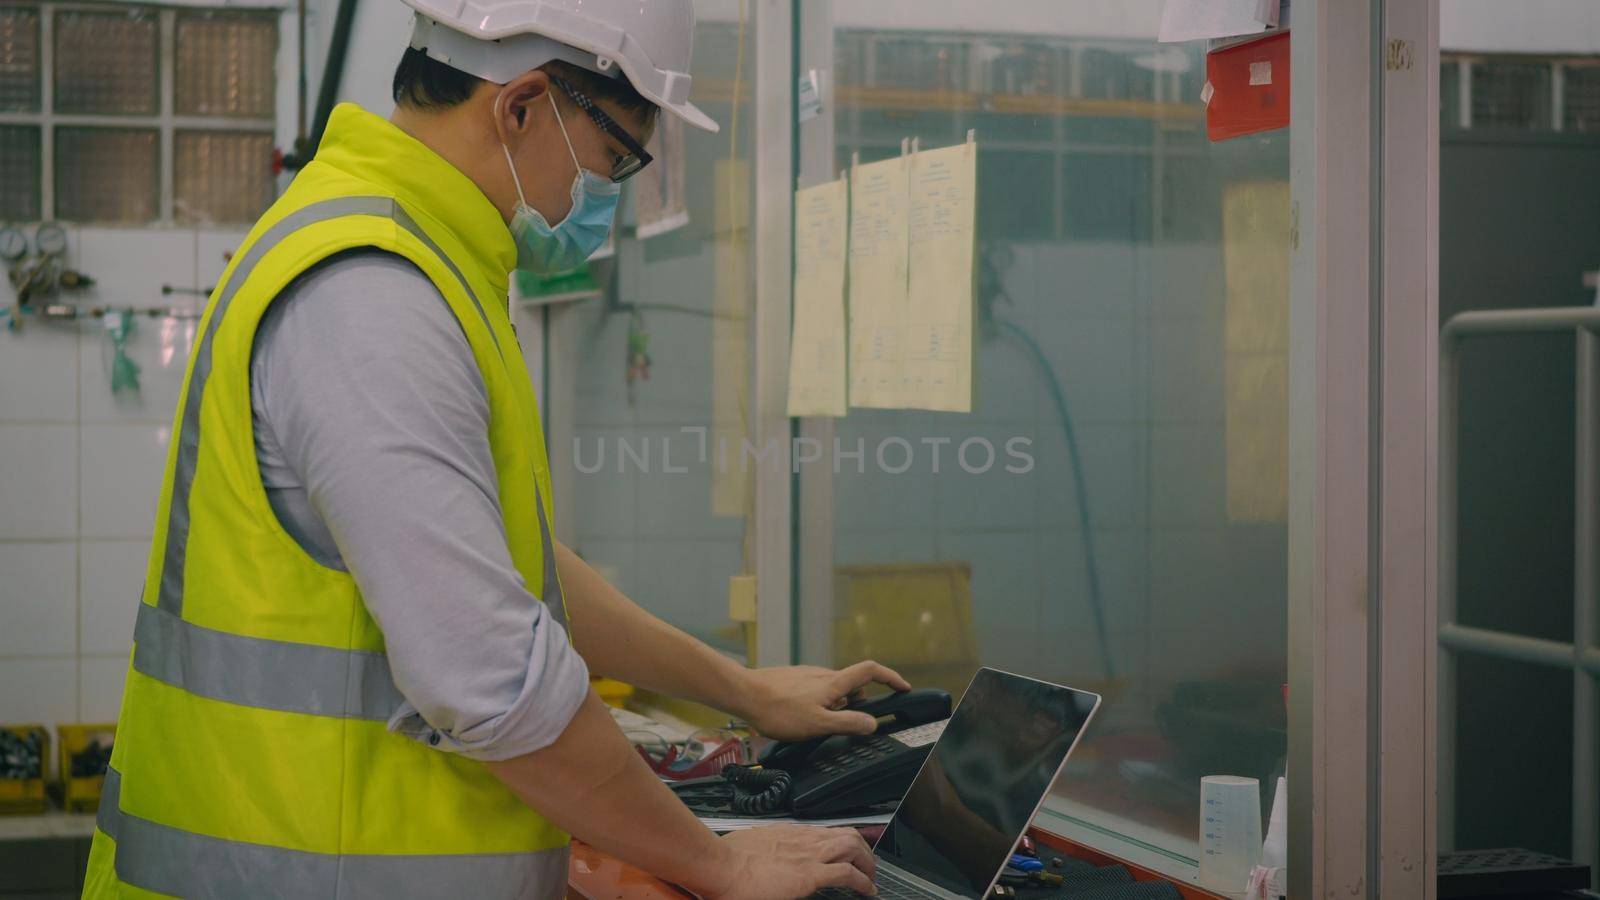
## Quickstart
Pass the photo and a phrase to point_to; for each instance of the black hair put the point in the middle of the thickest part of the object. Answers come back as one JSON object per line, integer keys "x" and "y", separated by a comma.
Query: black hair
{"x": 422, "y": 82}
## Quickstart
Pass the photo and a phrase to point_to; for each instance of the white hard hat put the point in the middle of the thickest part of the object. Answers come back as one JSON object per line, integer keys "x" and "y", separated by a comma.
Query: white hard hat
{"x": 498, "y": 40}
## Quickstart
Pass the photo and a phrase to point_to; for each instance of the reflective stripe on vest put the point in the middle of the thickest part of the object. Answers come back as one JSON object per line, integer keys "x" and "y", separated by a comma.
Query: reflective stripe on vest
{"x": 268, "y": 674}
{"x": 169, "y": 860}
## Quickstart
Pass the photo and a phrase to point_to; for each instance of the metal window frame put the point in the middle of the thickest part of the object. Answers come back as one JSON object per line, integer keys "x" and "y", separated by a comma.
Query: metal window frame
{"x": 1363, "y": 450}
{"x": 166, "y": 122}
{"x": 773, "y": 245}
{"x": 1581, "y": 657}
{"x": 814, "y": 487}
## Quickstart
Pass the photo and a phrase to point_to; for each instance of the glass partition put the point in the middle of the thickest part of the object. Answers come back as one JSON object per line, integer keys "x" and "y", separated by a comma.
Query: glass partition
{"x": 662, "y": 361}
{"x": 1112, "y": 512}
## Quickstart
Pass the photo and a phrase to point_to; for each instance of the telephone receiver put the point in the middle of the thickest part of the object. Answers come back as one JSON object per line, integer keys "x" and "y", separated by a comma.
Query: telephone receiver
{"x": 835, "y": 774}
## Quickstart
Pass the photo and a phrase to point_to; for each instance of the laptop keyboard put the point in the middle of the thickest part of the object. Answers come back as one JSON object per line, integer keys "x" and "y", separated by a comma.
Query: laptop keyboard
{"x": 890, "y": 887}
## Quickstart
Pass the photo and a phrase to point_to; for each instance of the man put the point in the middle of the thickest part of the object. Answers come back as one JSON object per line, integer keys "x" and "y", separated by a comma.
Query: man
{"x": 361, "y": 661}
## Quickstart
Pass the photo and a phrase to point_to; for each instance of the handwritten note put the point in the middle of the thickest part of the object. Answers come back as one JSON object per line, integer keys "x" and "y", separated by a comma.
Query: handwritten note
{"x": 879, "y": 250}
{"x": 937, "y": 359}
{"x": 817, "y": 350}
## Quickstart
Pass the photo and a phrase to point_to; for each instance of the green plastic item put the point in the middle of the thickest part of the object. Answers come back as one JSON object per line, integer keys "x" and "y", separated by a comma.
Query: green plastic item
{"x": 120, "y": 325}
{"x": 578, "y": 284}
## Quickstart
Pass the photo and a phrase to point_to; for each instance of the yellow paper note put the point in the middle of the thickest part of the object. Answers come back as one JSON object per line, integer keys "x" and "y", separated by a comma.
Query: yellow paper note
{"x": 938, "y": 332}
{"x": 731, "y": 488}
{"x": 817, "y": 350}
{"x": 1255, "y": 250}
{"x": 878, "y": 259}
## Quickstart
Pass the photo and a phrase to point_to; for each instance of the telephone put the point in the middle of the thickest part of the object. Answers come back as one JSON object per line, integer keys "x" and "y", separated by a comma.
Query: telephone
{"x": 839, "y": 774}
{"x": 836, "y": 774}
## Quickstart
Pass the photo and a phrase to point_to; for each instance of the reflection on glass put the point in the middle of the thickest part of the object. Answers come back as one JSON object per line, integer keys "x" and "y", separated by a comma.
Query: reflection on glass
{"x": 1128, "y": 536}
{"x": 980, "y": 787}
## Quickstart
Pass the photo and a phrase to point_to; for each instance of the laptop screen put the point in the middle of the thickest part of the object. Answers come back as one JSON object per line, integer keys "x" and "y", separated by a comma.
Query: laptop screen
{"x": 985, "y": 779}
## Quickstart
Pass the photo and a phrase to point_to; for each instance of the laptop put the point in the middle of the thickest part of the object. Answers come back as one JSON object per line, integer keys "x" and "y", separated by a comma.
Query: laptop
{"x": 976, "y": 793}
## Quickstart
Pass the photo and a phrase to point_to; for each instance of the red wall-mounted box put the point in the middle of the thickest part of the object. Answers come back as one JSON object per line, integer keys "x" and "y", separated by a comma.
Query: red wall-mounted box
{"x": 1247, "y": 88}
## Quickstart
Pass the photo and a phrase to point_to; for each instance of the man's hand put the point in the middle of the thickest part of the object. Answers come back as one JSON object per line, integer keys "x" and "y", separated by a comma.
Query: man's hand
{"x": 798, "y": 702}
{"x": 780, "y": 862}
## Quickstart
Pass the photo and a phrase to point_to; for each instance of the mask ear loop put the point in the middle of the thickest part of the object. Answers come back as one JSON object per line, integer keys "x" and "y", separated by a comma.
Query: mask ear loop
{"x": 563, "y": 126}
{"x": 507, "y": 151}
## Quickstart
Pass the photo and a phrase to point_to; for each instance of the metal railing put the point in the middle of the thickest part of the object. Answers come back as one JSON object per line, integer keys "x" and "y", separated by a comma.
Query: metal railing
{"x": 1582, "y": 656}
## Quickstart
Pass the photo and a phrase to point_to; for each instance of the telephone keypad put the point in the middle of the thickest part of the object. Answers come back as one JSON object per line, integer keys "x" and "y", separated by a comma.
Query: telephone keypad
{"x": 864, "y": 750}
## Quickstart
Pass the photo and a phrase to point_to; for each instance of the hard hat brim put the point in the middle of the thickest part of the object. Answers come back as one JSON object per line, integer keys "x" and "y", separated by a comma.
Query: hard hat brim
{"x": 691, "y": 114}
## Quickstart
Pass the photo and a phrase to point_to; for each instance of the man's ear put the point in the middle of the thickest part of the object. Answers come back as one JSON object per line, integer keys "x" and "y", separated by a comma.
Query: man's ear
{"x": 516, "y": 105}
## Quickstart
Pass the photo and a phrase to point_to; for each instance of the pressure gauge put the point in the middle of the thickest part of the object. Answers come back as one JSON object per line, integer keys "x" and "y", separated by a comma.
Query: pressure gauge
{"x": 51, "y": 239}
{"x": 13, "y": 246}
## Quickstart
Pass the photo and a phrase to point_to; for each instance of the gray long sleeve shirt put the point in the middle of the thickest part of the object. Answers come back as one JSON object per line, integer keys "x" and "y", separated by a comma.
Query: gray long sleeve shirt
{"x": 372, "y": 433}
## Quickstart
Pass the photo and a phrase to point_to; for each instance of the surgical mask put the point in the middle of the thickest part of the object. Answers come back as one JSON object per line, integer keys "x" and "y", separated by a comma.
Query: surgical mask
{"x": 544, "y": 250}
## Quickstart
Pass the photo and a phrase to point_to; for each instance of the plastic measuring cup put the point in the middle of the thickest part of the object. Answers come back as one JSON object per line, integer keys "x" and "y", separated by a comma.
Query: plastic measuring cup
{"x": 1230, "y": 831}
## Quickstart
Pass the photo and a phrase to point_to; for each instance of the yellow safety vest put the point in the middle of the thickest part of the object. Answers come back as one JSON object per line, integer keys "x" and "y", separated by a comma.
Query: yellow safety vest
{"x": 252, "y": 756}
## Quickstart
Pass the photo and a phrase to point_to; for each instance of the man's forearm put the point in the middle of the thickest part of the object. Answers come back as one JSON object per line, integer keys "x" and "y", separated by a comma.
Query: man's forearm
{"x": 593, "y": 784}
{"x": 620, "y": 640}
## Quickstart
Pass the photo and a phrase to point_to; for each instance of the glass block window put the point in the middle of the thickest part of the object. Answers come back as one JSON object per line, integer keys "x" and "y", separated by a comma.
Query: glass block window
{"x": 225, "y": 64}
{"x": 19, "y": 58}
{"x": 1511, "y": 94}
{"x": 107, "y": 174}
{"x": 108, "y": 62}
{"x": 19, "y": 173}
{"x": 129, "y": 114}
{"x": 1581, "y": 99}
{"x": 221, "y": 176}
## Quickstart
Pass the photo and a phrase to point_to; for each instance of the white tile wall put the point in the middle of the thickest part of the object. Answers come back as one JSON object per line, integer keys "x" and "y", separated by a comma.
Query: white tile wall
{"x": 677, "y": 505}
{"x": 38, "y": 371}
{"x": 1095, "y": 361}
{"x": 38, "y": 592}
{"x": 1186, "y": 485}
{"x": 82, "y": 472}
{"x": 975, "y": 488}
{"x": 112, "y": 576}
{"x": 122, "y": 469}
{"x": 38, "y": 691}
{"x": 1086, "y": 279}
{"x": 39, "y": 492}
{"x": 100, "y": 680}
{"x": 212, "y": 253}
{"x": 1008, "y": 386}
{"x": 1112, "y": 458}
{"x": 677, "y": 581}
{"x": 130, "y": 266}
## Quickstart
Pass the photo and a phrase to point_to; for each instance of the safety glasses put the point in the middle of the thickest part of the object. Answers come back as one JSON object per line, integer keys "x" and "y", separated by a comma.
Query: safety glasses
{"x": 637, "y": 157}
